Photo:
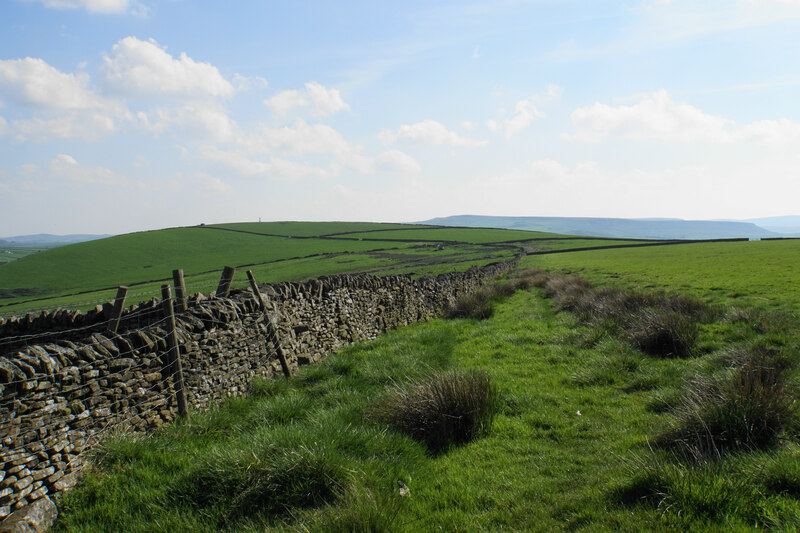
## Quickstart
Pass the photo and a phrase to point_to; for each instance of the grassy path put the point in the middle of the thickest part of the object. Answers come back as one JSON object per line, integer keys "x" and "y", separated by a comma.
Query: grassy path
{"x": 578, "y": 411}
{"x": 555, "y": 455}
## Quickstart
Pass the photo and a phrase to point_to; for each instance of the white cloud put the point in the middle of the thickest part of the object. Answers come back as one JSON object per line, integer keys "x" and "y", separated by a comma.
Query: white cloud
{"x": 144, "y": 69}
{"x": 321, "y": 100}
{"x": 326, "y": 152}
{"x": 587, "y": 189}
{"x": 399, "y": 161}
{"x": 96, "y": 6}
{"x": 657, "y": 117}
{"x": 82, "y": 126}
{"x": 428, "y": 132}
{"x": 195, "y": 120}
{"x": 211, "y": 185}
{"x": 3, "y": 126}
{"x": 285, "y": 101}
{"x": 33, "y": 83}
{"x": 62, "y": 104}
{"x": 275, "y": 168}
{"x": 325, "y": 101}
{"x": 301, "y": 138}
{"x": 772, "y": 131}
{"x": 467, "y": 125}
{"x": 244, "y": 83}
{"x": 66, "y": 167}
{"x": 525, "y": 112}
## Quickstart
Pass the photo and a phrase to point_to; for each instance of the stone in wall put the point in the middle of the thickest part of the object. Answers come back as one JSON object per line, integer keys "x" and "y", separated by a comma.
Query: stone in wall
{"x": 60, "y": 396}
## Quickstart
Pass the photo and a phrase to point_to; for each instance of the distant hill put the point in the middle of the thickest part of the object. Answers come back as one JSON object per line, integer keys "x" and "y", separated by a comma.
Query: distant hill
{"x": 46, "y": 240}
{"x": 616, "y": 227}
{"x": 788, "y": 224}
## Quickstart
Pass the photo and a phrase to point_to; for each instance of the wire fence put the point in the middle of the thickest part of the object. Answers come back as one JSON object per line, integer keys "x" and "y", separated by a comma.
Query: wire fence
{"x": 65, "y": 302}
{"x": 81, "y": 391}
{"x": 59, "y": 397}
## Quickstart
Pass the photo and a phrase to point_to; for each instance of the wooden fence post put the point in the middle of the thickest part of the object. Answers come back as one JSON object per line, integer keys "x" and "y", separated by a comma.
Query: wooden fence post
{"x": 119, "y": 304}
{"x": 272, "y": 333}
{"x": 225, "y": 282}
{"x": 173, "y": 359}
{"x": 180, "y": 290}
{"x": 256, "y": 293}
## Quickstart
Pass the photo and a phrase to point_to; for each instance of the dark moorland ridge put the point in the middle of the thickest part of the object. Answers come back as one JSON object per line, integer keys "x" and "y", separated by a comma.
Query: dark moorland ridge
{"x": 627, "y": 228}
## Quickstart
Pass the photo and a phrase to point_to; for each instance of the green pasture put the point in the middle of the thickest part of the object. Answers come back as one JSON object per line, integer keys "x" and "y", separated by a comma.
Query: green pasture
{"x": 140, "y": 257}
{"x": 763, "y": 273}
{"x": 12, "y": 253}
{"x": 394, "y": 261}
{"x": 84, "y": 274}
{"x": 309, "y": 229}
{"x": 471, "y": 235}
{"x": 571, "y": 449}
{"x": 568, "y": 450}
{"x": 544, "y": 245}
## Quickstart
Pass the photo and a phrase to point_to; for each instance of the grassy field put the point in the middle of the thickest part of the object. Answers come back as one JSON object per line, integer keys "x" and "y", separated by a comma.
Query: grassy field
{"x": 471, "y": 235}
{"x": 593, "y": 429}
{"x": 142, "y": 260}
{"x": 571, "y": 447}
{"x": 311, "y": 229}
{"x": 85, "y": 274}
{"x": 12, "y": 253}
{"x": 763, "y": 273}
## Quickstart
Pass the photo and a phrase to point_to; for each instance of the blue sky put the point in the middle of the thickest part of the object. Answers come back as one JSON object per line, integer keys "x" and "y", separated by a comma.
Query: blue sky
{"x": 126, "y": 115}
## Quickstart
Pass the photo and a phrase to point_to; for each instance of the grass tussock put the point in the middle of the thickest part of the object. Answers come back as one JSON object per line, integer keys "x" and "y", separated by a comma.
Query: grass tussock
{"x": 480, "y": 304}
{"x": 445, "y": 409}
{"x": 271, "y": 482}
{"x": 750, "y": 407}
{"x": 656, "y": 323}
{"x": 664, "y": 333}
{"x": 763, "y": 321}
{"x": 703, "y": 494}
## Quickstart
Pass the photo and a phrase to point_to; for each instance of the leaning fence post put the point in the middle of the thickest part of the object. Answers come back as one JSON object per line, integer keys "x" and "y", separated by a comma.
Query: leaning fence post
{"x": 173, "y": 359}
{"x": 116, "y": 313}
{"x": 225, "y": 282}
{"x": 271, "y": 332}
{"x": 180, "y": 290}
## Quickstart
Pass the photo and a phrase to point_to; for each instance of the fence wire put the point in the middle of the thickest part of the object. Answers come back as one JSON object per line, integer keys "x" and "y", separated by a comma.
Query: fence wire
{"x": 69, "y": 386}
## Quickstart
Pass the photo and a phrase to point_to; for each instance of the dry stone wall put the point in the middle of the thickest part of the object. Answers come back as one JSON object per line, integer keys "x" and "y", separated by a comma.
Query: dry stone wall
{"x": 60, "y": 394}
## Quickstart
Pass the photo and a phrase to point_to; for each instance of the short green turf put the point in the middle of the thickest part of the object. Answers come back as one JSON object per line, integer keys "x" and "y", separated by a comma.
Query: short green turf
{"x": 566, "y": 452}
{"x": 470, "y": 235}
{"x": 762, "y": 273}
{"x": 145, "y": 260}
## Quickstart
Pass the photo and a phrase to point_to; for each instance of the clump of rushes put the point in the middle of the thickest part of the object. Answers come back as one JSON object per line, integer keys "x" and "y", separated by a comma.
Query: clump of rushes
{"x": 480, "y": 304}
{"x": 751, "y": 407}
{"x": 763, "y": 321}
{"x": 661, "y": 332}
{"x": 268, "y": 482}
{"x": 445, "y": 409}
{"x": 656, "y": 323}
{"x": 531, "y": 277}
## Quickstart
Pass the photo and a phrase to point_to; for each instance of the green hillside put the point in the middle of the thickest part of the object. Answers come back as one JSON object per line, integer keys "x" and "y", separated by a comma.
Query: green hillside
{"x": 87, "y": 273}
{"x": 763, "y": 273}
{"x": 597, "y": 427}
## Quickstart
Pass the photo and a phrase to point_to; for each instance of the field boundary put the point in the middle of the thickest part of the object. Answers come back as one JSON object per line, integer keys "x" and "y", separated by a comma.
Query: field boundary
{"x": 61, "y": 395}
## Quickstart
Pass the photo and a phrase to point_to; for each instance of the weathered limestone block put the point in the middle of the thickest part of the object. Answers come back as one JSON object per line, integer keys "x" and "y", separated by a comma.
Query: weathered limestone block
{"x": 34, "y": 518}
